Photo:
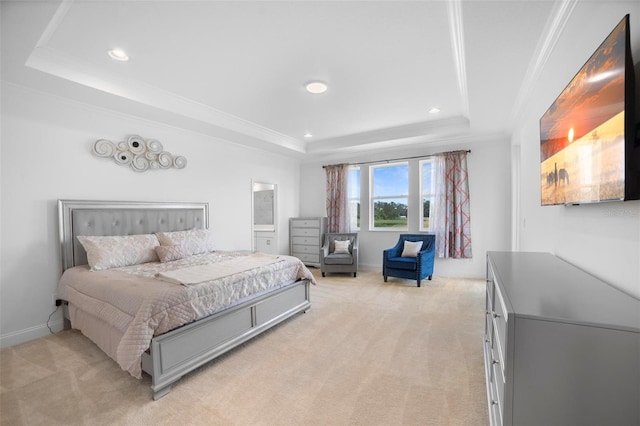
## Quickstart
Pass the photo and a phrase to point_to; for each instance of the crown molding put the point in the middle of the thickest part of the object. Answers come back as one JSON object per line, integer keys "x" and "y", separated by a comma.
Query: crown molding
{"x": 48, "y": 60}
{"x": 418, "y": 146}
{"x": 392, "y": 135}
{"x": 558, "y": 18}
{"x": 456, "y": 31}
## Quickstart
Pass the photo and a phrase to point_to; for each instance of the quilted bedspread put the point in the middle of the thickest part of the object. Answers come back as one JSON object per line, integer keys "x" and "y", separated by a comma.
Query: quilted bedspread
{"x": 137, "y": 305}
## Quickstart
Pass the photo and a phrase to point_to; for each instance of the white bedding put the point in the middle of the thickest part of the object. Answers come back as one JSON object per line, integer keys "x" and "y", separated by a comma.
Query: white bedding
{"x": 212, "y": 271}
{"x": 136, "y": 305}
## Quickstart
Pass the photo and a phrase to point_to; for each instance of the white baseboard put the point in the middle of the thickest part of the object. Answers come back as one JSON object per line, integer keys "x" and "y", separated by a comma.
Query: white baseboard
{"x": 31, "y": 333}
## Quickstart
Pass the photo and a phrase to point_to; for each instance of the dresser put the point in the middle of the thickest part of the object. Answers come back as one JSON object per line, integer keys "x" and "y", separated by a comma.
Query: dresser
{"x": 306, "y": 235}
{"x": 561, "y": 347}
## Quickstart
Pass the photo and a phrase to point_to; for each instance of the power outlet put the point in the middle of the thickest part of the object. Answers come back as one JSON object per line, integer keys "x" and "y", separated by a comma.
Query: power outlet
{"x": 55, "y": 301}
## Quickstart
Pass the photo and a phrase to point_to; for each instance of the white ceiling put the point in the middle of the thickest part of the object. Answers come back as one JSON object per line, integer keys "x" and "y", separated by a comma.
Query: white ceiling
{"x": 236, "y": 70}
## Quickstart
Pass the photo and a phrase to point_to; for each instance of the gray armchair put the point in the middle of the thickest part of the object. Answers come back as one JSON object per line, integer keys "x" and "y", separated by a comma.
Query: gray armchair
{"x": 332, "y": 261}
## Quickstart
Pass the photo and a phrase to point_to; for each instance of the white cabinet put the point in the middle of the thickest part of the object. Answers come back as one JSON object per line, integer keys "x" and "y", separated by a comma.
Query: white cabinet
{"x": 560, "y": 346}
{"x": 306, "y": 235}
{"x": 265, "y": 242}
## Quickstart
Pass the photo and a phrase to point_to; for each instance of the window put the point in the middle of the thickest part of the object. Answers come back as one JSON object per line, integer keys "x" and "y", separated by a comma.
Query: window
{"x": 426, "y": 194}
{"x": 389, "y": 196}
{"x": 353, "y": 194}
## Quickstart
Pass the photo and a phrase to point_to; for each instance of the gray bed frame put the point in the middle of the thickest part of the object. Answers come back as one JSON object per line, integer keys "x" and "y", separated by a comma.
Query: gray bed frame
{"x": 177, "y": 352}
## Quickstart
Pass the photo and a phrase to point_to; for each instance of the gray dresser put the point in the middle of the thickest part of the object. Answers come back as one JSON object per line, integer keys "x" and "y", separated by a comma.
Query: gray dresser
{"x": 561, "y": 347}
{"x": 306, "y": 235}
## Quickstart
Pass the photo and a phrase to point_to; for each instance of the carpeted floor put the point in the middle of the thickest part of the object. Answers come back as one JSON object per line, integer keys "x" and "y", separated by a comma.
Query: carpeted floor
{"x": 367, "y": 353}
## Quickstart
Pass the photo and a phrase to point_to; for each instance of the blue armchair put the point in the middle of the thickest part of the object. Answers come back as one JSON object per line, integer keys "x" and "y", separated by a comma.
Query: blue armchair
{"x": 417, "y": 268}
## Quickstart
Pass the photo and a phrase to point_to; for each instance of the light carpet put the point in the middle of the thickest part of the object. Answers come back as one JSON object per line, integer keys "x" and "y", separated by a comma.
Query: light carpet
{"x": 366, "y": 353}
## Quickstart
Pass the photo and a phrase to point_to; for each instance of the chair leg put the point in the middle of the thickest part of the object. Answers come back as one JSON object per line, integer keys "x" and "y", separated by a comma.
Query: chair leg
{"x": 385, "y": 278}
{"x": 323, "y": 274}
{"x": 354, "y": 274}
{"x": 430, "y": 277}
{"x": 418, "y": 283}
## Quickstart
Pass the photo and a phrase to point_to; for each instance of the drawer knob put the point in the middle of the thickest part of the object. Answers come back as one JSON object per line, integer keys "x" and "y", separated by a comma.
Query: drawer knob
{"x": 496, "y": 315}
{"x": 494, "y": 402}
{"x": 495, "y": 361}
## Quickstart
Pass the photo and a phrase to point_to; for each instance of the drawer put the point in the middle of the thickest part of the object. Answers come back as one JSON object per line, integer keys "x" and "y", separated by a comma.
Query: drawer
{"x": 498, "y": 377}
{"x": 495, "y": 418}
{"x": 298, "y": 248}
{"x": 309, "y": 241}
{"x": 488, "y": 328}
{"x": 500, "y": 323}
{"x": 496, "y": 407}
{"x": 487, "y": 359}
{"x": 490, "y": 292}
{"x": 307, "y": 257}
{"x": 497, "y": 351}
{"x": 305, "y": 223}
{"x": 305, "y": 232}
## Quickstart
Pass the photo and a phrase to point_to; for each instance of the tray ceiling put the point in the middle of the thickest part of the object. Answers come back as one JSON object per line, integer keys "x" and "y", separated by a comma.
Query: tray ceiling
{"x": 237, "y": 70}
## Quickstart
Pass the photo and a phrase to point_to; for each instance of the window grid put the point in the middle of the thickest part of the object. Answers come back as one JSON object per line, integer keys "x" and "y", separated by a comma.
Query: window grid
{"x": 427, "y": 192}
{"x": 353, "y": 197}
{"x": 389, "y": 196}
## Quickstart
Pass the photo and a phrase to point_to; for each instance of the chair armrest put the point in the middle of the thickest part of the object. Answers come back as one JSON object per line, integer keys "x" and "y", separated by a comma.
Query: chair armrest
{"x": 426, "y": 255}
{"x": 324, "y": 250}
{"x": 394, "y": 251}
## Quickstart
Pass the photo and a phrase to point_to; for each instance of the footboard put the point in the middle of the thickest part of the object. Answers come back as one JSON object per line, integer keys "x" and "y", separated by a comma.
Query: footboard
{"x": 180, "y": 351}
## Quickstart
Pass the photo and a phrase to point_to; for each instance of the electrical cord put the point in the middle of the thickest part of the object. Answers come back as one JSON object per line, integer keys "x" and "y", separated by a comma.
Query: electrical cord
{"x": 49, "y": 319}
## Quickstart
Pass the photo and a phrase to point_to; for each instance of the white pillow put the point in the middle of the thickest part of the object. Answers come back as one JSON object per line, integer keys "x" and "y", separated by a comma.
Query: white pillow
{"x": 170, "y": 253}
{"x": 194, "y": 241}
{"x": 117, "y": 251}
{"x": 411, "y": 248}
{"x": 341, "y": 247}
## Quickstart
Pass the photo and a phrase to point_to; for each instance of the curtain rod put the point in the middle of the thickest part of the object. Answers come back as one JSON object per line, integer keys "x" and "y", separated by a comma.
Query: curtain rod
{"x": 392, "y": 159}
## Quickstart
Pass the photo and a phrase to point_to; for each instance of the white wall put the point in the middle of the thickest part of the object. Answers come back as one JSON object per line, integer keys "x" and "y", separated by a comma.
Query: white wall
{"x": 603, "y": 239}
{"x": 46, "y": 156}
{"x": 489, "y": 186}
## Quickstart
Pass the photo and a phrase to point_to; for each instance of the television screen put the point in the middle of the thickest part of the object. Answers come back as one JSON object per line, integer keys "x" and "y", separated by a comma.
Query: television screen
{"x": 582, "y": 134}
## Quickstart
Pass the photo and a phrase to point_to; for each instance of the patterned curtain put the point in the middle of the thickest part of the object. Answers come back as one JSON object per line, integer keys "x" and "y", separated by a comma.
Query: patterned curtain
{"x": 337, "y": 198}
{"x": 451, "y": 213}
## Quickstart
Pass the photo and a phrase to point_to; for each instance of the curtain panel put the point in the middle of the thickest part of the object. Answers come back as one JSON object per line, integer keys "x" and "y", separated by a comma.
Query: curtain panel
{"x": 337, "y": 199}
{"x": 452, "y": 215}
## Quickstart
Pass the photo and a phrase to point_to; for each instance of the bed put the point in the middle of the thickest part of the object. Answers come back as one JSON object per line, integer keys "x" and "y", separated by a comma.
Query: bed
{"x": 147, "y": 315}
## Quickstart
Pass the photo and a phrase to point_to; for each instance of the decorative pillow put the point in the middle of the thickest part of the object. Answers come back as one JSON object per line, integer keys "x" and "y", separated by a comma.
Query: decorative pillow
{"x": 194, "y": 241}
{"x": 341, "y": 247}
{"x": 117, "y": 251}
{"x": 170, "y": 253}
{"x": 411, "y": 248}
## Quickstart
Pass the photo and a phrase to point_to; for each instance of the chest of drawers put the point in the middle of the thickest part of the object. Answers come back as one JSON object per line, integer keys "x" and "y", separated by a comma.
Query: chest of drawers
{"x": 306, "y": 236}
{"x": 560, "y": 346}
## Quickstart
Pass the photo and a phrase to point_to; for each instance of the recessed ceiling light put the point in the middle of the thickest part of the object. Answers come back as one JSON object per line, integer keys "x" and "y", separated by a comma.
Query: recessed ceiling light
{"x": 316, "y": 87}
{"x": 308, "y": 135}
{"x": 118, "y": 55}
{"x": 434, "y": 110}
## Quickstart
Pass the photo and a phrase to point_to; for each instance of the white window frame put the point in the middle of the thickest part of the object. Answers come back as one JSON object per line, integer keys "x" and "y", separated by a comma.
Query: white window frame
{"x": 353, "y": 201}
{"x": 428, "y": 192}
{"x": 373, "y": 199}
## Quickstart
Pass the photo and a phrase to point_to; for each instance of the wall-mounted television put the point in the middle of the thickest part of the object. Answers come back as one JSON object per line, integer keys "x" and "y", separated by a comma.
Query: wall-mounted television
{"x": 589, "y": 147}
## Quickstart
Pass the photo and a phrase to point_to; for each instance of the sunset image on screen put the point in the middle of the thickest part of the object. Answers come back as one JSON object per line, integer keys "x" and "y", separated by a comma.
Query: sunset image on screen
{"x": 582, "y": 133}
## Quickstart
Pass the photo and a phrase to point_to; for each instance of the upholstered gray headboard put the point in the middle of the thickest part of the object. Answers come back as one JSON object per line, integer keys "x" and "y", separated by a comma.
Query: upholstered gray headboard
{"x": 80, "y": 217}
